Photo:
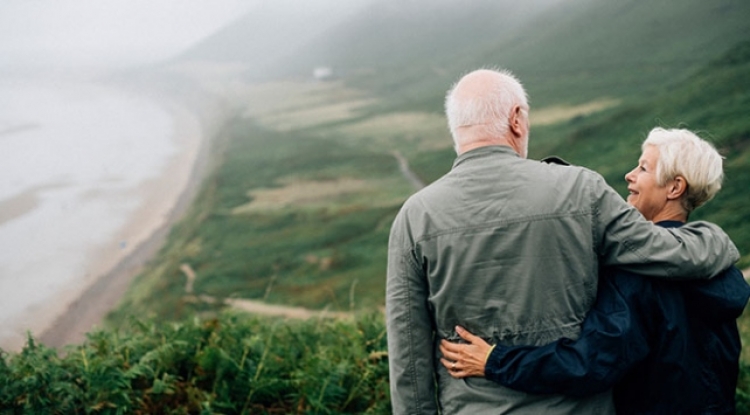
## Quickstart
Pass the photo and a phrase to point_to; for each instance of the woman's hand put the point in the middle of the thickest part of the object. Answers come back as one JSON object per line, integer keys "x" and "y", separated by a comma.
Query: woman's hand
{"x": 465, "y": 360}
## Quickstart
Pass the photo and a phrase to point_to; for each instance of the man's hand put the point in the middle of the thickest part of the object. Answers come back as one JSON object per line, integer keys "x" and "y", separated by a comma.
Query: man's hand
{"x": 465, "y": 360}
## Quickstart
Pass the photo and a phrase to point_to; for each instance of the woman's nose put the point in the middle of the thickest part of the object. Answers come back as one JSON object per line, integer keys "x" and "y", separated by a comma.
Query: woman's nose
{"x": 629, "y": 176}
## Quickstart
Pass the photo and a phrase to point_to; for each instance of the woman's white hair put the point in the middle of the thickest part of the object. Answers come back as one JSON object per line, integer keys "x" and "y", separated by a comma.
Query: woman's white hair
{"x": 489, "y": 110}
{"x": 682, "y": 153}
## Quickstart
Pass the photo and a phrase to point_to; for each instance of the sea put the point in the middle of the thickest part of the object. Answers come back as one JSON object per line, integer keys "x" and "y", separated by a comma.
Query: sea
{"x": 73, "y": 154}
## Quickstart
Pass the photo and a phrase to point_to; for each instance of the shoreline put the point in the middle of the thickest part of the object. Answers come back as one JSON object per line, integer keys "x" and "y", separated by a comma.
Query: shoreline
{"x": 166, "y": 199}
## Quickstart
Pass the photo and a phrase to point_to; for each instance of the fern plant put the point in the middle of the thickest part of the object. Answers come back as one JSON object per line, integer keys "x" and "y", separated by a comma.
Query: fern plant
{"x": 229, "y": 365}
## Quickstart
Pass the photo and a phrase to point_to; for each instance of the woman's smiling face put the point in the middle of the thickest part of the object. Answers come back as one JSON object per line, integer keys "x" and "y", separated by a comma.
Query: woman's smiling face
{"x": 645, "y": 194}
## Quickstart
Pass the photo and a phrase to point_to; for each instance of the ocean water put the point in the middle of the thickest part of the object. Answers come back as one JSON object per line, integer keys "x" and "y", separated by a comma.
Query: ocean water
{"x": 72, "y": 157}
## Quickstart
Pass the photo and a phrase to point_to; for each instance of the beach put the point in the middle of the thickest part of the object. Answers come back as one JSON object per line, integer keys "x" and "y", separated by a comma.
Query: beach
{"x": 74, "y": 240}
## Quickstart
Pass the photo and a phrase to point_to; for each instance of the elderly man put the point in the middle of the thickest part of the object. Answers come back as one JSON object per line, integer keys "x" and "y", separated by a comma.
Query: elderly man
{"x": 509, "y": 248}
{"x": 666, "y": 347}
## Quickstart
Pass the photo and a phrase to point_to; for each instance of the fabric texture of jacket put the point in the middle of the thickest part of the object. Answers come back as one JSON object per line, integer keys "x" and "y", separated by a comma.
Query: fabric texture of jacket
{"x": 667, "y": 347}
{"x": 510, "y": 249}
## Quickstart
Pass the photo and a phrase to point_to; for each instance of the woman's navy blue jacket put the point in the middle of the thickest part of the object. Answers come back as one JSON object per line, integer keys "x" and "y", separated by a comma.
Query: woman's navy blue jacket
{"x": 665, "y": 346}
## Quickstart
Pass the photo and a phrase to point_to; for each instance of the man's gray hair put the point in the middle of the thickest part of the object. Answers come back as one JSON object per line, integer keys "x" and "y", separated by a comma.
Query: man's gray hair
{"x": 490, "y": 109}
{"x": 683, "y": 153}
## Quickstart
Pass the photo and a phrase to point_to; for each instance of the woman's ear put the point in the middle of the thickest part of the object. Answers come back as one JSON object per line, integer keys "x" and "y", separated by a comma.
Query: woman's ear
{"x": 676, "y": 188}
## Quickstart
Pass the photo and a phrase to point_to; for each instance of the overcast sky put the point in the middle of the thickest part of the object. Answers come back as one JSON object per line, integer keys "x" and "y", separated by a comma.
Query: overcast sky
{"x": 85, "y": 33}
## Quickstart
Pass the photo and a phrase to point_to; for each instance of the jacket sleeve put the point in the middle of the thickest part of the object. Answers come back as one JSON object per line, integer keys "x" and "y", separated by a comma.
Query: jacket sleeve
{"x": 698, "y": 250}
{"x": 614, "y": 336}
{"x": 410, "y": 331}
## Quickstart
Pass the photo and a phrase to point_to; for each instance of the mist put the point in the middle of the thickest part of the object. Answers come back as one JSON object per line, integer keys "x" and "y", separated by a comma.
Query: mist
{"x": 94, "y": 34}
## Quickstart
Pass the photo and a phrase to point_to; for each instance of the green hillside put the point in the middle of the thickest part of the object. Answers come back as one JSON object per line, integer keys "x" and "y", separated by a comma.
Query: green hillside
{"x": 304, "y": 221}
{"x": 621, "y": 49}
{"x": 408, "y": 52}
{"x": 566, "y": 52}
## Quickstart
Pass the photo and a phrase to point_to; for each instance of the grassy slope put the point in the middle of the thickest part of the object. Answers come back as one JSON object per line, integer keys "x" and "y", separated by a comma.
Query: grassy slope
{"x": 622, "y": 49}
{"x": 573, "y": 52}
{"x": 314, "y": 253}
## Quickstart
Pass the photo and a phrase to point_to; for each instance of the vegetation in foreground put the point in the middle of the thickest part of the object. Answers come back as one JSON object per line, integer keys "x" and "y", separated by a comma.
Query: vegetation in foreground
{"x": 229, "y": 365}
{"x": 233, "y": 364}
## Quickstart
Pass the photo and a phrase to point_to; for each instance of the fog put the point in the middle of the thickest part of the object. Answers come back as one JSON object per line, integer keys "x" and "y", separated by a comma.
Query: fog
{"x": 96, "y": 34}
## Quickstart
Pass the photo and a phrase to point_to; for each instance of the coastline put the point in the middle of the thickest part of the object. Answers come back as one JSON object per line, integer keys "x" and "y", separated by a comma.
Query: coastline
{"x": 165, "y": 199}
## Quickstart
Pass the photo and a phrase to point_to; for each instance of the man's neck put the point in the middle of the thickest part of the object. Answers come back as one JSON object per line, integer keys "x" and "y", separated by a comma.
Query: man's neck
{"x": 484, "y": 143}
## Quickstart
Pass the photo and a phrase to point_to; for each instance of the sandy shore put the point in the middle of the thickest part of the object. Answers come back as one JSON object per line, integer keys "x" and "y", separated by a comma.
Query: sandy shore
{"x": 164, "y": 200}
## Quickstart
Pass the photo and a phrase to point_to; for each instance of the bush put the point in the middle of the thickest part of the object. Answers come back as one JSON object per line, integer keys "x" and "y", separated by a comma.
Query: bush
{"x": 229, "y": 365}
{"x": 742, "y": 394}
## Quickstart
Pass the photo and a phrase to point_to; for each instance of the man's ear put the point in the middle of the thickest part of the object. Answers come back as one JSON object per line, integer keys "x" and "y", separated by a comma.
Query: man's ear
{"x": 516, "y": 121}
{"x": 676, "y": 188}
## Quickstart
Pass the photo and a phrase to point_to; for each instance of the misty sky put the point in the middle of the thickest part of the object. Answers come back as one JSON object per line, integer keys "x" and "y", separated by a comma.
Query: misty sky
{"x": 86, "y": 33}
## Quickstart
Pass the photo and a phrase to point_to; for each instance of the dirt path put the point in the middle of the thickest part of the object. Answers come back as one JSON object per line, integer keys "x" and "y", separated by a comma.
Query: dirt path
{"x": 403, "y": 165}
{"x": 259, "y": 307}
{"x": 255, "y": 306}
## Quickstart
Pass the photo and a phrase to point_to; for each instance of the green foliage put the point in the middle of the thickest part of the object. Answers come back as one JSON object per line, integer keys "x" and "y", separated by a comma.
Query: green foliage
{"x": 229, "y": 365}
{"x": 742, "y": 394}
{"x": 431, "y": 165}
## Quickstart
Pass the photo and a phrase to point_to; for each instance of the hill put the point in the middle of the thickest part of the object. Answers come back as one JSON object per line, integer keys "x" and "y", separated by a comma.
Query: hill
{"x": 271, "y": 30}
{"x": 572, "y": 51}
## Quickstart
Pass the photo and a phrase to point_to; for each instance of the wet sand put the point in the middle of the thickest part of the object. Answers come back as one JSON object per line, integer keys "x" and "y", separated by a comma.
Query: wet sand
{"x": 165, "y": 200}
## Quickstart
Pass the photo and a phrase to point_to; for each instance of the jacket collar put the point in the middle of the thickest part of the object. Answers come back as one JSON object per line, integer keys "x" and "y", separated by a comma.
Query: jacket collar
{"x": 483, "y": 152}
{"x": 670, "y": 224}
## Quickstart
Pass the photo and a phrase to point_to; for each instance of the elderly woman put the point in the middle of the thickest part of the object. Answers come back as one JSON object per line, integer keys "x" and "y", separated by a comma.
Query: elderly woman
{"x": 665, "y": 347}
